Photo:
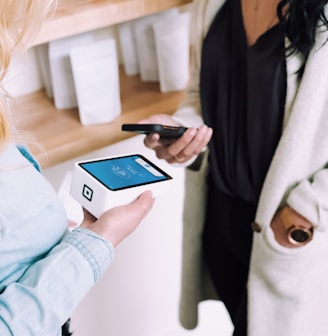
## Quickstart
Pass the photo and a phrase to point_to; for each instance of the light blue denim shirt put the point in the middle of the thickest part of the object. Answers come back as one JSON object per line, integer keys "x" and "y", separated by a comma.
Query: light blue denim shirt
{"x": 45, "y": 270}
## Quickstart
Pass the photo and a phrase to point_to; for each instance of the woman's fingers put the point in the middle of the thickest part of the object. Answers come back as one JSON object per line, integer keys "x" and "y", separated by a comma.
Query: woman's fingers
{"x": 188, "y": 146}
{"x": 119, "y": 222}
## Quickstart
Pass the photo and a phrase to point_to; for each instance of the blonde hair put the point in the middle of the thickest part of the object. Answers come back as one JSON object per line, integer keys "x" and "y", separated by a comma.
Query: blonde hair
{"x": 20, "y": 21}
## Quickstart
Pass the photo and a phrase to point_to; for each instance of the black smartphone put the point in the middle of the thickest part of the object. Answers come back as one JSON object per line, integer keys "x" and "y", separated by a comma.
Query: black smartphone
{"x": 165, "y": 131}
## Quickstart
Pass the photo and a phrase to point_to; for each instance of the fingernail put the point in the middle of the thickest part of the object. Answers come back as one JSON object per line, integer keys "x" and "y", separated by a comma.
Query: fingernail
{"x": 193, "y": 132}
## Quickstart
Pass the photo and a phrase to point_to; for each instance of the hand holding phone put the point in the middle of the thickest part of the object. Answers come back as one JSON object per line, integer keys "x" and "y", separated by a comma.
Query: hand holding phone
{"x": 165, "y": 131}
{"x": 176, "y": 149}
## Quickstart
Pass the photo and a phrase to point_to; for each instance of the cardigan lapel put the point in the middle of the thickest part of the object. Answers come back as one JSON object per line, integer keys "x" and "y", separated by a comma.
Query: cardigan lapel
{"x": 299, "y": 153}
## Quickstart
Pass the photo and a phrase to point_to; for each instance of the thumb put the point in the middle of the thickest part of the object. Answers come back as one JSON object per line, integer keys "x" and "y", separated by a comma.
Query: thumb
{"x": 143, "y": 204}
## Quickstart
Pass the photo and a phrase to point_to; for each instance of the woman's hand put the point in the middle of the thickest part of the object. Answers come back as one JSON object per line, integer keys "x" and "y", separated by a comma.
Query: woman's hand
{"x": 181, "y": 150}
{"x": 119, "y": 222}
{"x": 279, "y": 227}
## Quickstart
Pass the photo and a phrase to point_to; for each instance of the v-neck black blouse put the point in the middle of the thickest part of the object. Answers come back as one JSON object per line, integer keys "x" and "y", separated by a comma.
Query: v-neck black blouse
{"x": 243, "y": 90}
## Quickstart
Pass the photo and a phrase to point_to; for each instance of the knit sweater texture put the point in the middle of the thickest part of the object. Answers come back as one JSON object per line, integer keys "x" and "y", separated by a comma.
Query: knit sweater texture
{"x": 287, "y": 288}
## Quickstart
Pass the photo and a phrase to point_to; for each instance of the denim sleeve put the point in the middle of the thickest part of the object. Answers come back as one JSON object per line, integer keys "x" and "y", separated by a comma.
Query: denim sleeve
{"x": 50, "y": 289}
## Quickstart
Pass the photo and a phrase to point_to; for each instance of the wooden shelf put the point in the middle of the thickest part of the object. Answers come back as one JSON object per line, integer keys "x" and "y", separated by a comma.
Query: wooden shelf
{"x": 77, "y": 16}
{"x": 60, "y": 133}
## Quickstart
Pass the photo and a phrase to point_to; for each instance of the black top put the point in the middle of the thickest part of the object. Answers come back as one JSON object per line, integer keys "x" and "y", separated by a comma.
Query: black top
{"x": 243, "y": 91}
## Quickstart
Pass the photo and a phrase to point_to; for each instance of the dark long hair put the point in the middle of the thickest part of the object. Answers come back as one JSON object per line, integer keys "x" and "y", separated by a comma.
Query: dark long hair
{"x": 301, "y": 19}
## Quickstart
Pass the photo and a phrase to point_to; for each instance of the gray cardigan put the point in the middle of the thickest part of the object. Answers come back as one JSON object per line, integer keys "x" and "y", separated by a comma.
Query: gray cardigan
{"x": 288, "y": 288}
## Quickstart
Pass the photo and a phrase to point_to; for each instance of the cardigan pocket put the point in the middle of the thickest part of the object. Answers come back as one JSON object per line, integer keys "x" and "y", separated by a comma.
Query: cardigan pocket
{"x": 288, "y": 288}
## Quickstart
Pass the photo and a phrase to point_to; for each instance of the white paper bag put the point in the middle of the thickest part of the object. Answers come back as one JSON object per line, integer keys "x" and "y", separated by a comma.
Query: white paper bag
{"x": 172, "y": 39}
{"x": 96, "y": 78}
{"x": 61, "y": 71}
{"x": 42, "y": 54}
{"x": 145, "y": 42}
{"x": 128, "y": 48}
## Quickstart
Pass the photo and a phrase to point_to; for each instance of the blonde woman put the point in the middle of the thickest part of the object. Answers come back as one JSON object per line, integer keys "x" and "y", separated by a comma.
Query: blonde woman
{"x": 45, "y": 270}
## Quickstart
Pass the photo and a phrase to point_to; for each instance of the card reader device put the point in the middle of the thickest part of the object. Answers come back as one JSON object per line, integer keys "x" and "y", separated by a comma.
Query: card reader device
{"x": 104, "y": 183}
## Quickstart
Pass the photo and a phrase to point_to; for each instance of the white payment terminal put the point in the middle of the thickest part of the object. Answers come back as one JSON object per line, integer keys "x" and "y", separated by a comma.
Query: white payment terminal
{"x": 101, "y": 184}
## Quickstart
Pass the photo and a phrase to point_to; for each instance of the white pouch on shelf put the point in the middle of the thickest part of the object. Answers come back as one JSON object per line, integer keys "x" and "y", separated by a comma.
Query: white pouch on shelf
{"x": 61, "y": 71}
{"x": 172, "y": 37}
{"x": 96, "y": 78}
{"x": 145, "y": 43}
{"x": 128, "y": 48}
{"x": 42, "y": 54}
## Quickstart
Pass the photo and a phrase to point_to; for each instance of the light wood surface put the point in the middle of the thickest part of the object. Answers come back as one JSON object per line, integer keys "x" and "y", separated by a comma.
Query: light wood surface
{"x": 77, "y": 16}
{"x": 60, "y": 133}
